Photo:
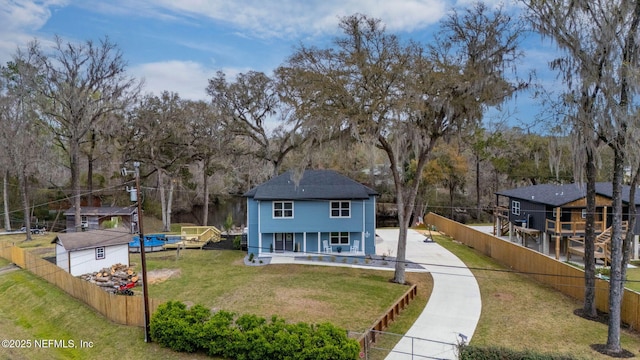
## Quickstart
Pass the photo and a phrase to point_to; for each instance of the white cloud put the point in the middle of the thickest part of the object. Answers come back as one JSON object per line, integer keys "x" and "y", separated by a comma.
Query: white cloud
{"x": 187, "y": 78}
{"x": 292, "y": 18}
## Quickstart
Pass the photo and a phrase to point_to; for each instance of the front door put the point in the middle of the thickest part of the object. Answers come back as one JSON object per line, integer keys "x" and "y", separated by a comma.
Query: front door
{"x": 283, "y": 242}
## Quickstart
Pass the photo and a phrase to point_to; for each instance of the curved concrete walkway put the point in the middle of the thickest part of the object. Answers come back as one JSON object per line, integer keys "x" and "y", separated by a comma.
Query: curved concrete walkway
{"x": 453, "y": 308}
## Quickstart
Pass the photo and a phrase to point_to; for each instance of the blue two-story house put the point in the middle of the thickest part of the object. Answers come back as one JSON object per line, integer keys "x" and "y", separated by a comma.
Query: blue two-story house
{"x": 322, "y": 212}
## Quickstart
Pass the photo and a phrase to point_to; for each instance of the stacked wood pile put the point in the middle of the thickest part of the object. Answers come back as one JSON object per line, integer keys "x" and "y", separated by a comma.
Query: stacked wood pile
{"x": 112, "y": 277}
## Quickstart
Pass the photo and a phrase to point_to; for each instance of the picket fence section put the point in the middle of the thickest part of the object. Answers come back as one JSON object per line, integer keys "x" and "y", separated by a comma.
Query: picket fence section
{"x": 124, "y": 310}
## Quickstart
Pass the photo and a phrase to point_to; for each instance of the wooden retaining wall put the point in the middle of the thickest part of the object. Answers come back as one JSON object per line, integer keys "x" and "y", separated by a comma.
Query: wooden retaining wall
{"x": 388, "y": 317}
{"x": 559, "y": 275}
{"x": 124, "y": 310}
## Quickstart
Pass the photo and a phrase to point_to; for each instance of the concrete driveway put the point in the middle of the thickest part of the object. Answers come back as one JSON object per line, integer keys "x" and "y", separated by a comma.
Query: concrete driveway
{"x": 453, "y": 310}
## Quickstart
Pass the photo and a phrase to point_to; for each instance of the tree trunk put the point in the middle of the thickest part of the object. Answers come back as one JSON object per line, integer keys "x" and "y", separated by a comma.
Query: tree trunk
{"x": 205, "y": 201}
{"x": 616, "y": 285}
{"x": 403, "y": 223}
{"x": 589, "y": 306}
{"x": 169, "y": 205}
{"x": 477, "y": 187}
{"x": 90, "y": 169}
{"x": 25, "y": 205}
{"x": 163, "y": 203}
{"x": 74, "y": 166}
{"x": 5, "y": 198}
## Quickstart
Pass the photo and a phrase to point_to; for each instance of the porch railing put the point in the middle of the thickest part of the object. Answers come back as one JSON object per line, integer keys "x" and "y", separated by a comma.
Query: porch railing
{"x": 571, "y": 227}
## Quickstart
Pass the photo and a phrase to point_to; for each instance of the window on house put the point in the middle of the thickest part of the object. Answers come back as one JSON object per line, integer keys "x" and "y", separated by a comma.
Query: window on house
{"x": 515, "y": 207}
{"x": 584, "y": 213}
{"x": 553, "y": 212}
{"x": 339, "y": 238}
{"x": 340, "y": 209}
{"x": 100, "y": 253}
{"x": 283, "y": 209}
{"x": 84, "y": 221}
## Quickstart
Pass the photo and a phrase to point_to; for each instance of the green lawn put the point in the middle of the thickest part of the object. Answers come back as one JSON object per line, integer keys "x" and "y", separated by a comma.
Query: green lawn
{"x": 350, "y": 298}
{"x": 519, "y": 313}
{"x": 218, "y": 279}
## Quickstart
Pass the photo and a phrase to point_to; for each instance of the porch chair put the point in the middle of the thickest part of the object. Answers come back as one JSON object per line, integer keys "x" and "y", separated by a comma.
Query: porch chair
{"x": 326, "y": 247}
{"x": 356, "y": 246}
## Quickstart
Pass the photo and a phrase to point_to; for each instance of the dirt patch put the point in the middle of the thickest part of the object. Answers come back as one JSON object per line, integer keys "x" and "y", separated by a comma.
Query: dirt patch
{"x": 158, "y": 276}
{"x": 503, "y": 296}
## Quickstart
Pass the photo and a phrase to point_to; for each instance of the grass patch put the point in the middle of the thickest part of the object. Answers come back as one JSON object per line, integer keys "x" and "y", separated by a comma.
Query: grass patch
{"x": 37, "y": 310}
{"x": 349, "y": 298}
{"x": 521, "y": 314}
{"x": 218, "y": 279}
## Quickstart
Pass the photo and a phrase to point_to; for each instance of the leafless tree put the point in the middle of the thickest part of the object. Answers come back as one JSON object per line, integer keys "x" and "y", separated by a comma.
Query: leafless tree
{"x": 211, "y": 146}
{"x": 22, "y": 138}
{"x": 78, "y": 86}
{"x": 161, "y": 138}
{"x": 252, "y": 107}
{"x": 403, "y": 98}
{"x": 599, "y": 68}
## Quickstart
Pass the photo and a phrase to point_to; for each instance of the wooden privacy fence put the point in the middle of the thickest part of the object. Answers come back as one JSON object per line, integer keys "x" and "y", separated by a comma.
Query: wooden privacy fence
{"x": 561, "y": 276}
{"x": 125, "y": 310}
{"x": 389, "y": 316}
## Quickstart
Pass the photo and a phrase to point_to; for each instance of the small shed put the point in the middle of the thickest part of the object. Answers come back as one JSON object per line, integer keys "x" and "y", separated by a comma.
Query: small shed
{"x": 88, "y": 251}
{"x": 94, "y": 217}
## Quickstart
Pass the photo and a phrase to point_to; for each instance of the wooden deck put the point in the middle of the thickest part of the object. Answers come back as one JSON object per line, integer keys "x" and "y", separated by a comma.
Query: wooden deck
{"x": 195, "y": 237}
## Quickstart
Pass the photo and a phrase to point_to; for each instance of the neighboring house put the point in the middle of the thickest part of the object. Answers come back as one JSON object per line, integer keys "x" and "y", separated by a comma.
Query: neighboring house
{"x": 93, "y": 217}
{"x": 89, "y": 251}
{"x": 556, "y": 212}
{"x": 322, "y": 208}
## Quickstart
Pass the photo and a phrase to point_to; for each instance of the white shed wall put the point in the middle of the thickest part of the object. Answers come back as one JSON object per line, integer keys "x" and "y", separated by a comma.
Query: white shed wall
{"x": 84, "y": 261}
{"x": 62, "y": 258}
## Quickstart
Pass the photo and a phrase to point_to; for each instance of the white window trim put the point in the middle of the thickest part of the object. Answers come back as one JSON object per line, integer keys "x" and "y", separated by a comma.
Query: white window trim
{"x": 515, "y": 207}
{"x": 554, "y": 212}
{"x": 340, "y": 208}
{"x": 101, "y": 255}
{"x": 273, "y": 210}
{"x": 340, "y": 236}
{"x": 584, "y": 213}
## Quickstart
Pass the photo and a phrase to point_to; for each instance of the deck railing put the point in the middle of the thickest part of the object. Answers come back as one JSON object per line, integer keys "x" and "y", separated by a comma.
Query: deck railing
{"x": 568, "y": 228}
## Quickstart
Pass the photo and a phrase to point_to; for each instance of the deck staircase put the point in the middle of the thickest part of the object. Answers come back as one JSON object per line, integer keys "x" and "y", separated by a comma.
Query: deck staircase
{"x": 602, "y": 245}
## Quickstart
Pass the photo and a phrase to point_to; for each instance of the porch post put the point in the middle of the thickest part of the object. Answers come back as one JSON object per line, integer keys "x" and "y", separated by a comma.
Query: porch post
{"x": 511, "y": 232}
{"x": 259, "y": 231}
{"x": 319, "y": 242}
{"x": 304, "y": 241}
{"x": 364, "y": 227}
{"x": 634, "y": 256}
{"x": 558, "y": 237}
{"x": 545, "y": 243}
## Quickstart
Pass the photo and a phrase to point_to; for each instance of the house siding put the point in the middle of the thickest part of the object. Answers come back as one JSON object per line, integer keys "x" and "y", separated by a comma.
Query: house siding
{"x": 310, "y": 218}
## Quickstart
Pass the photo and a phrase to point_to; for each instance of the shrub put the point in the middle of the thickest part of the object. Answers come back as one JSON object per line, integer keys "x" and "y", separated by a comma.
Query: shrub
{"x": 248, "y": 337}
{"x": 468, "y": 352}
{"x": 251, "y": 256}
{"x": 237, "y": 242}
{"x": 178, "y": 328}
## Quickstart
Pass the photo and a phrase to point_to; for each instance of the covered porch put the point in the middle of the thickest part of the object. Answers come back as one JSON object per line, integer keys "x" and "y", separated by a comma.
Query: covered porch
{"x": 314, "y": 243}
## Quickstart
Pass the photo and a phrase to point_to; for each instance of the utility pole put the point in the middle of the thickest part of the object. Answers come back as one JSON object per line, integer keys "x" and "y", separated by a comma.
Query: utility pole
{"x": 143, "y": 258}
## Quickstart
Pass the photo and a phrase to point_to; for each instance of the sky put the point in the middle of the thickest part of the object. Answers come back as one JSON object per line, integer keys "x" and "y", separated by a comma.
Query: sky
{"x": 177, "y": 45}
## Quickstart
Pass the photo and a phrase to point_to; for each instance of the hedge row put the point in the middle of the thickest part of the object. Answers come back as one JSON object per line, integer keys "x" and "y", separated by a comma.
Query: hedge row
{"x": 469, "y": 352}
{"x": 247, "y": 336}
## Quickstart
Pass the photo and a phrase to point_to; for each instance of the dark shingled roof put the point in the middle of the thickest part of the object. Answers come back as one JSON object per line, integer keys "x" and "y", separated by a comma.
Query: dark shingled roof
{"x": 90, "y": 239}
{"x": 102, "y": 210}
{"x": 558, "y": 195}
{"x": 314, "y": 185}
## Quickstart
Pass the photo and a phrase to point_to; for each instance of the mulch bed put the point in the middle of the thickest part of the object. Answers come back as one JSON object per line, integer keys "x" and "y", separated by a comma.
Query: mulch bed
{"x": 603, "y": 318}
